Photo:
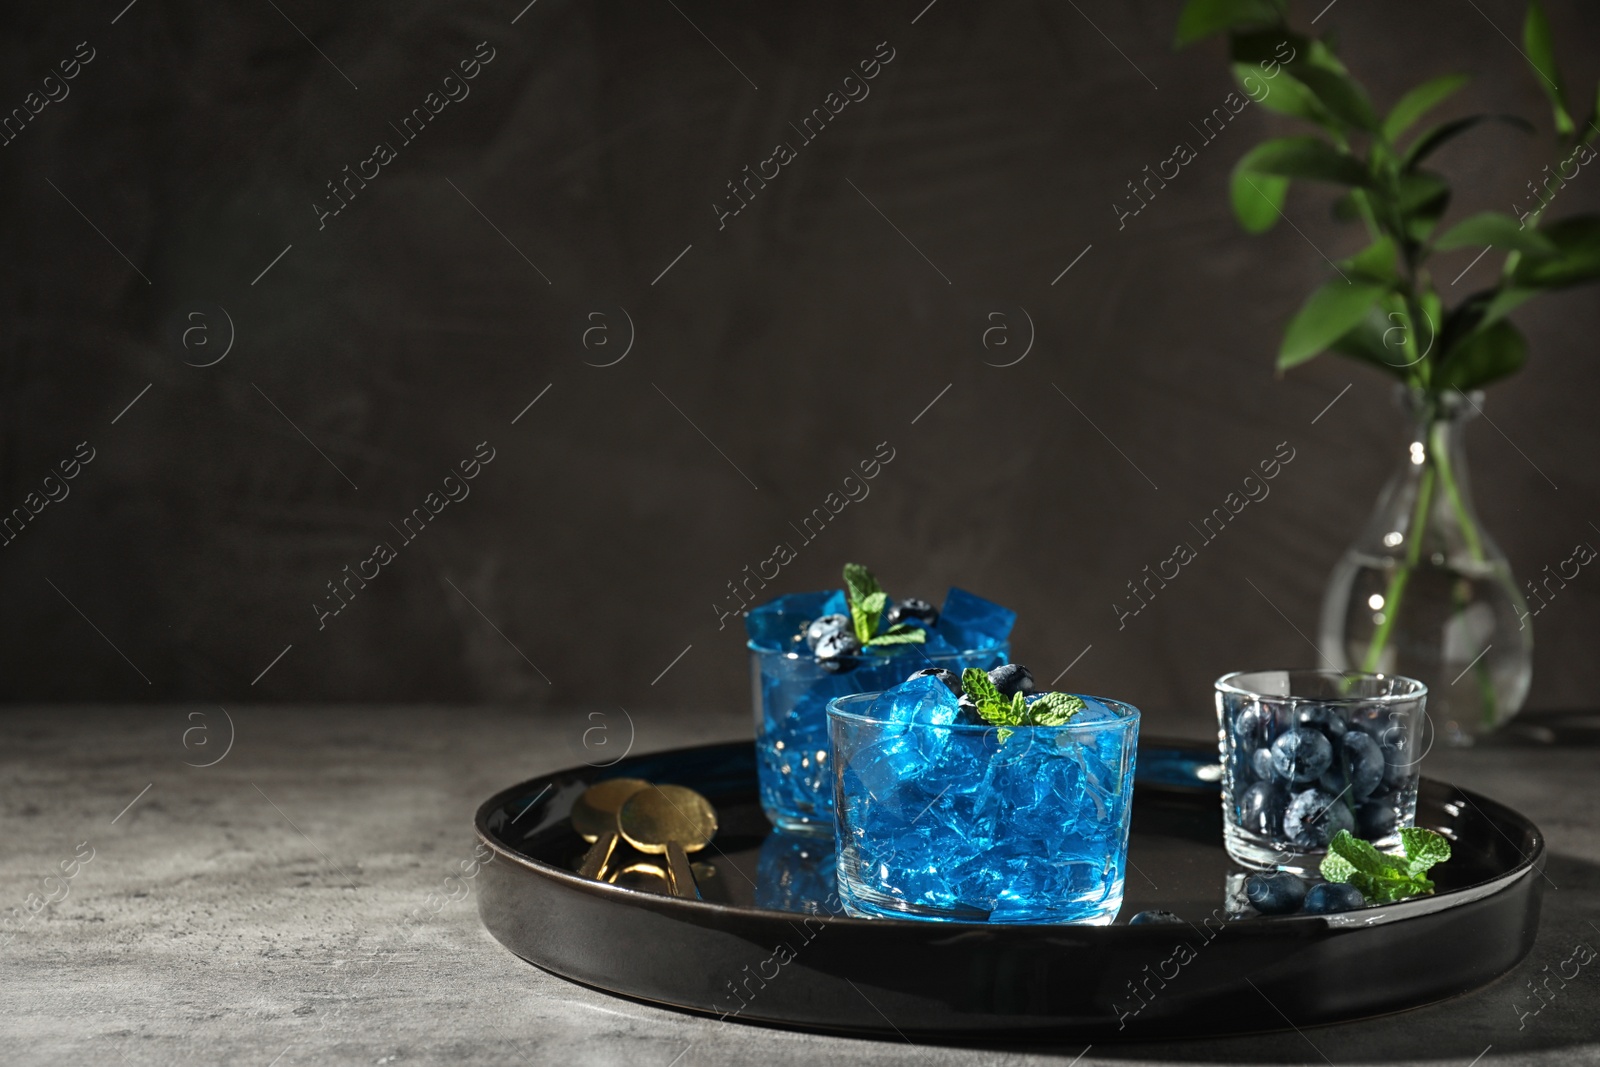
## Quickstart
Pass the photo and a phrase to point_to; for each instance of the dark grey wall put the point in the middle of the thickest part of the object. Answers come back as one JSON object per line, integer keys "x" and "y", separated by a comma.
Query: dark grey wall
{"x": 773, "y": 356}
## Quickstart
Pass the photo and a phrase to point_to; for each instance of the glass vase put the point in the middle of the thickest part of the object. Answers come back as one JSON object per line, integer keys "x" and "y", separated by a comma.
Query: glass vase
{"x": 1425, "y": 592}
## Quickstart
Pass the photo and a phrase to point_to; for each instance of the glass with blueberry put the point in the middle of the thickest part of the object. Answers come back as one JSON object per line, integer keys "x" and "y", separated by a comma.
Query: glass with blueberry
{"x": 972, "y": 798}
{"x": 808, "y": 648}
{"x": 1308, "y": 753}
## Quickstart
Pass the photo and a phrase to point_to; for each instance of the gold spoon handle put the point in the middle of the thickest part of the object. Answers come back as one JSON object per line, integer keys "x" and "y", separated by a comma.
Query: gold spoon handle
{"x": 599, "y": 855}
{"x": 680, "y": 878}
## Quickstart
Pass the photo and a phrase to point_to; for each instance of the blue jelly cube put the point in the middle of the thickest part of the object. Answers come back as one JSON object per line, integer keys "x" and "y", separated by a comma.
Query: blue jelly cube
{"x": 969, "y": 621}
{"x": 925, "y": 699}
{"x": 773, "y": 625}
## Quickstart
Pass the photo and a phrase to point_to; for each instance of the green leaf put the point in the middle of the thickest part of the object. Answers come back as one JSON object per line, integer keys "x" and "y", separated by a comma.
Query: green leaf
{"x": 1424, "y": 848}
{"x": 1505, "y": 301}
{"x": 1348, "y": 207}
{"x": 866, "y": 614}
{"x": 1375, "y": 262}
{"x": 1203, "y": 18}
{"x": 1019, "y": 706}
{"x": 1484, "y": 356}
{"x": 1419, "y": 102}
{"x": 976, "y": 684}
{"x": 859, "y": 582}
{"x": 1335, "y": 868}
{"x": 1307, "y": 157}
{"x": 1339, "y": 93}
{"x": 1282, "y": 95}
{"x": 911, "y": 635}
{"x": 1055, "y": 709}
{"x": 1359, "y": 854}
{"x": 1380, "y": 878}
{"x": 1423, "y": 198}
{"x": 1576, "y": 260}
{"x": 1538, "y": 45}
{"x": 1330, "y": 313}
{"x": 1439, "y": 135}
{"x": 1374, "y": 340}
{"x": 1498, "y": 230}
{"x": 1257, "y": 198}
{"x": 859, "y": 587}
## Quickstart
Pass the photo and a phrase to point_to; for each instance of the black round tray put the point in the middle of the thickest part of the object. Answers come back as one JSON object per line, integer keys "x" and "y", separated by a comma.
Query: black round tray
{"x": 790, "y": 963}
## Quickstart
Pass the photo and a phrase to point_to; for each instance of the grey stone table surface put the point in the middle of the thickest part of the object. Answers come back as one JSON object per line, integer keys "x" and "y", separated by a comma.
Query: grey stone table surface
{"x": 286, "y": 904}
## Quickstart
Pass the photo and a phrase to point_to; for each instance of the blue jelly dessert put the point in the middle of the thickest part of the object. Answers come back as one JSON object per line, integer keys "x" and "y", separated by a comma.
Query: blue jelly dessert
{"x": 808, "y": 648}
{"x": 965, "y": 804}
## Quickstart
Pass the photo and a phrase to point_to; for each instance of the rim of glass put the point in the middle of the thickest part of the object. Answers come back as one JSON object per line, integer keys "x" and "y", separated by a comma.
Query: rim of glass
{"x": 1416, "y": 690}
{"x": 1128, "y": 715}
{"x": 932, "y": 657}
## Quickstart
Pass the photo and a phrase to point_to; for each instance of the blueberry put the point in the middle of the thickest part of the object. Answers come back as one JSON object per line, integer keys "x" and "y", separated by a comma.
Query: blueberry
{"x": 1261, "y": 809}
{"x": 1364, "y": 764}
{"x": 1155, "y": 915}
{"x": 1370, "y": 721}
{"x": 1012, "y": 678}
{"x": 912, "y": 608}
{"x": 1333, "y": 896}
{"x": 969, "y": 711}
{"x": 1261, "y": 763}
{"x": 1275, "y": 893}
{"x": 1323, "y": 719}
{"x": 826, "y": 624}
{"x": 1332, "y": 780}
{"x": 1301, "y": 755}
{"x": 1247, "y": 726}
{"x": 1314, "y": 816}
{"x": 836, "y": 650}
{"x": 1376, "y": 818}
{"x": 951, "y": 679}
{"x": 1397, "y": 768}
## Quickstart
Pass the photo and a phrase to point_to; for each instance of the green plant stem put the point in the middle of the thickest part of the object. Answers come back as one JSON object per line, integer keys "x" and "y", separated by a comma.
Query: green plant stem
{"x": 1469, "y": 531}
{"x": 1397, "y": 581}
{"x": 1437, "y": 463}
{"x": 1447, "y": 478}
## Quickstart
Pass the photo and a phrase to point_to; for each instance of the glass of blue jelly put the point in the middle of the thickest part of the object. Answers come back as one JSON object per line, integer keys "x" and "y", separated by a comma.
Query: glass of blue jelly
{"x": 940, "y": 818}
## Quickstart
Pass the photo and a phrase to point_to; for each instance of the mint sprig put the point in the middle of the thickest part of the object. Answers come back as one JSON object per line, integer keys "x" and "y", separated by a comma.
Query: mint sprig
{"x": 1380, "y": 877}
{"x": 1054, "y": 709}
{"x": 1051, "y": 709}
{"x": 868, "y": 602}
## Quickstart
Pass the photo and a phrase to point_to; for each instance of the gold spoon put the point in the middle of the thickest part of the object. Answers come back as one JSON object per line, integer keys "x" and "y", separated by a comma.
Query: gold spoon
{"x": 673, "y": 820}
{"x": 594, "y": 817}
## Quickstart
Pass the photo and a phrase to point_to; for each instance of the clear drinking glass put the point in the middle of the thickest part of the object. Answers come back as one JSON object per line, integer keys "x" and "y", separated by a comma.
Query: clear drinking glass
{"x": 950, "y": 822}
{"x": 790, "y": 692}
{"x": 1307, "y": 753}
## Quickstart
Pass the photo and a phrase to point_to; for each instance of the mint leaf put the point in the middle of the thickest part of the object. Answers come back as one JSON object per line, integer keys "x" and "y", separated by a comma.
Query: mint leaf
{"x": 1383, "y": 879}
{"x": 993, "y": 708}
{"x": 860, "y": 587}
{"x": 1054, "y": 709}
{"x": 900, "y": 634}
{"x": 866, "y": 614}
{"x": 1424, "y": 848}
{"x": 975, "y": 683}
{"x": 1335, "y": 868}
{"x": 859, "y": 582}
{"x": 1359, "y": 854}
